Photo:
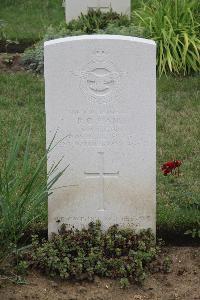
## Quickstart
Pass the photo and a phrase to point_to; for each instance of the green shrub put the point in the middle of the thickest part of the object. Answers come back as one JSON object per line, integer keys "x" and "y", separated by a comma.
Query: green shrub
{"x": 96, "y": 20}
{"x": 23, "y": 190}
{"x": 175, "y": 28}
{"x": 82, "y": 254}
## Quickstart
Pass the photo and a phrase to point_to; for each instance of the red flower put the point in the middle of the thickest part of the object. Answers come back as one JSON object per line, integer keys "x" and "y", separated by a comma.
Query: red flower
{"x": 170, "y": 166}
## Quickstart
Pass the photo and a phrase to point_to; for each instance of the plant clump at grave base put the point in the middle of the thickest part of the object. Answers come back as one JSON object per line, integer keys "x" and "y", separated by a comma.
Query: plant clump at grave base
{"x": 82, "y": 254}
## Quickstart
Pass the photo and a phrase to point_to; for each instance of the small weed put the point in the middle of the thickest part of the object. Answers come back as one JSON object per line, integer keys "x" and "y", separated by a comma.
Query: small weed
{"x": 167, "y": 265}
{"x": 22, "y": 268}
{"x": 18, "y": 280}
{"x": 124, "y": 283}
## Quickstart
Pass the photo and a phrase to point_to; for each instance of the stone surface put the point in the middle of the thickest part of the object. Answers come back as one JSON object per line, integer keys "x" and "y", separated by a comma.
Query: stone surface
{"x": 101, "y": 98}
{"x": 74, "y": 8}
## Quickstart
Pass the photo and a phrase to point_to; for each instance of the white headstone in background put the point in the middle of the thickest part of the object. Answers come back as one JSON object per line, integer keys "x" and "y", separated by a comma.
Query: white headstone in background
{"x": 74, "y": 8}
{"x": 101, "y": 96}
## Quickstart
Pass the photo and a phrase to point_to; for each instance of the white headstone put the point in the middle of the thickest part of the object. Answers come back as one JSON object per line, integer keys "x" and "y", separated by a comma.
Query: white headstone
{"x": 101, "y": 98}
{"x": 74, "y": 8}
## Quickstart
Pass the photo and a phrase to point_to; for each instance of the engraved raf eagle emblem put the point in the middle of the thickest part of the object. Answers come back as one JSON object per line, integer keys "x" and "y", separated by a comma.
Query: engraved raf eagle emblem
{"x": 100, "y": 80}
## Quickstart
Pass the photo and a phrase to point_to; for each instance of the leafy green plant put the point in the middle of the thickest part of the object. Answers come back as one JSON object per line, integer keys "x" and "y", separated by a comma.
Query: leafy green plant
{"x": 124, "y": 282}
{"x": 167, "y": 264}
{"x": 22, "y": 268}
{"x": 172, "y": 24}
{"x": 82, "y": 254}
{"x": 23, "y": 190}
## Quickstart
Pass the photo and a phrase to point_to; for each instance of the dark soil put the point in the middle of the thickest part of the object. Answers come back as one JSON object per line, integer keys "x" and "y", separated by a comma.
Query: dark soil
{"x": 13, "y": 47}
{"x": 182, "y": 283}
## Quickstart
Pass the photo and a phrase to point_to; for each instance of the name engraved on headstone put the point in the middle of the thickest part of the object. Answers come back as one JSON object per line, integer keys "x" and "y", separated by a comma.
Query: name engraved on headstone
{"x": 101, "y": 129}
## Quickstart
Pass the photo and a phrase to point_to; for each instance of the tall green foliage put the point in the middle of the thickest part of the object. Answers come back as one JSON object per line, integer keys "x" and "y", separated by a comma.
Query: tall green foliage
{"x": 23, "y": 189}
{"x": 174, "y": 25}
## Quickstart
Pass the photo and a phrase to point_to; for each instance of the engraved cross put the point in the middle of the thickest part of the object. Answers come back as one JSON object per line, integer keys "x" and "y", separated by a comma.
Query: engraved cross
{"x": 101, "y": 175}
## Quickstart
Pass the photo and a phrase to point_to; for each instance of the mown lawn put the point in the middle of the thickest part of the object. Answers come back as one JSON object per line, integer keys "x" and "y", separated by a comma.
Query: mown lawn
{"x": 22, "y": 104}
{"x": 27, "y": 20}
{"x": 178, "y": 137}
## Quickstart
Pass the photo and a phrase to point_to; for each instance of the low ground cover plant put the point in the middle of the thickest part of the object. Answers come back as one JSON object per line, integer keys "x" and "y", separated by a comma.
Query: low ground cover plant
{"x": 82, "y": 254}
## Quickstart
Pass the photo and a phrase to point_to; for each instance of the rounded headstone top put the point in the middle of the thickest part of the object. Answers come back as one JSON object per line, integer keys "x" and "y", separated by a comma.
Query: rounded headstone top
{"x": 99, "y": 37}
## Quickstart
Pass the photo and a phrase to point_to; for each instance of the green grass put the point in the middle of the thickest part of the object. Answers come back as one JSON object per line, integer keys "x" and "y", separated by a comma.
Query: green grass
{"x": 22, "y": 103}
{"x": 27, "y": 20}
{"x": 178, "y": 137}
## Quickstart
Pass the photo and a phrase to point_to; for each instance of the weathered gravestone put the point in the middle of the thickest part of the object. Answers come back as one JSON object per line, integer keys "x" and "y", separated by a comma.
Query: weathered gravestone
{"x": 101, "y": 98}
{"x": 74, "y": 8}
